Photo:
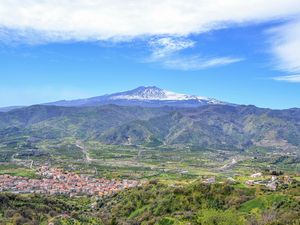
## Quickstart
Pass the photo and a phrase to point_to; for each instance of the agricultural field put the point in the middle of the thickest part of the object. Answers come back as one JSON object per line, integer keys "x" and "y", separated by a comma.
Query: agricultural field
{"x": 141, "y": 162}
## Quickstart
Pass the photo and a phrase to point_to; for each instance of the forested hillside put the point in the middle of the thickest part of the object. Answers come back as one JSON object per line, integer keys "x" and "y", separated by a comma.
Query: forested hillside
{"x": 213, "y": 126}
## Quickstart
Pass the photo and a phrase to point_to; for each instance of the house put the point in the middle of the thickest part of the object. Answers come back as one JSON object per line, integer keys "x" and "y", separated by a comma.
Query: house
{"x": 249, "y": 182}
{"x": 211, "y": 180}
{"x": 272, "y": 186}
{"x": 255, "y": 175}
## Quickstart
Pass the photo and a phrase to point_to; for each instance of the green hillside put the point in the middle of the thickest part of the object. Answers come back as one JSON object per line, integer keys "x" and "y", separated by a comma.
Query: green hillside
{"x": 214, "y": 126}
{"x": 158, "y": 204}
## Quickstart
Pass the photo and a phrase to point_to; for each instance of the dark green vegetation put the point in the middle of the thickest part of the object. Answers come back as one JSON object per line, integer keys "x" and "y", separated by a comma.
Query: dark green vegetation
{"x": 199, "y": 203}
{"x": 35, "y": 209}
{"x": 214, "y": 126}
{"x": 158, "y": 203}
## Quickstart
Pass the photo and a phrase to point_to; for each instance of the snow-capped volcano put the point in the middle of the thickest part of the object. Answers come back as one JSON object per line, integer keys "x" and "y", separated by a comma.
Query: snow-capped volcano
{"x": 154, "y": 93}
{"x": 143, "y": 96}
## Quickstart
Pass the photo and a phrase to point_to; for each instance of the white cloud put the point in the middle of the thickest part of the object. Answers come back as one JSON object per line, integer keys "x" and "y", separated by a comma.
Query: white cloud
{"x": 163, "y": 47}
{"x": 36, "y": 21}
{"x": 167, "y": 51}
{"x": 196, "y": 62}
{"x": 290, "y": 78}
{"x": 44, "y": 21}
{"x": 286, "y": 46}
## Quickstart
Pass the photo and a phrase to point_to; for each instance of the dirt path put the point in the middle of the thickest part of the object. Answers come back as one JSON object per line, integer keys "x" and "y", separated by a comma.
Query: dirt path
{"x": 24, "y": 162}
{"x": 84, "y": 150}
{"x": 13, "y": 158}
{"x": 107, "y": 162}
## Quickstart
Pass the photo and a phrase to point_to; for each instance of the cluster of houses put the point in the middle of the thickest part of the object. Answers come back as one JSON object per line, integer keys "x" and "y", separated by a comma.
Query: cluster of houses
{"x": 57, "y": 181}
{"x": 271, "y": 182}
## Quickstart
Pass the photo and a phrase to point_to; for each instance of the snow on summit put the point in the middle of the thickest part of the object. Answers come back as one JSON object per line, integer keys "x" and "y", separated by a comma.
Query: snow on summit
{"x": 155, "y": 93}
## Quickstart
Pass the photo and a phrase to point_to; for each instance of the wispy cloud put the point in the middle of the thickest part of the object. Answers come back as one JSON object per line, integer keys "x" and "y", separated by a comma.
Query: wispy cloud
{"x": 290, "y": 78}
{"x": 80, "y": 20}
{"x": 168, "y": 52}
{"x": 285, "y": 41}
{"x": 285, "y": 45}
{"x": 166, "y": 46}
{"x": 192, "y": 63}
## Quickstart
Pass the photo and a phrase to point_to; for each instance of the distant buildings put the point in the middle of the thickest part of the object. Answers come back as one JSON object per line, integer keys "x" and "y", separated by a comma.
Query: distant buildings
{"x": 270, "y": 182}
{"x": 57, "y": 181}
{"x": 255, "y": 175}
{"x": 272, "y": 186}
{"x": 210, "y": 180}
{"x": 250, "y": 182}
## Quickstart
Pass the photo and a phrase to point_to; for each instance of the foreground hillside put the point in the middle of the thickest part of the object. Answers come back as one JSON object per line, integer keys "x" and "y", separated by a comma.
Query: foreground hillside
{"x": 160, "y": 204}
{"x": 212, "y": 126}
{"x": 199, "y": 203}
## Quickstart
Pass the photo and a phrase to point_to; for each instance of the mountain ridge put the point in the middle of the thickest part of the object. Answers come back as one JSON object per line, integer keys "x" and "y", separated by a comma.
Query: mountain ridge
{"x": 210, "y": 126}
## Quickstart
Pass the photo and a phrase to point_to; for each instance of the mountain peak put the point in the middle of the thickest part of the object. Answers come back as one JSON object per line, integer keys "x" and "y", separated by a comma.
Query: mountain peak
{"x": 148, "y": 87}
{"x": 142, "y": 93}
{"x": 145, "y": 89}
{"x": 155, "y": 93}
{"x": 145, "y": 96}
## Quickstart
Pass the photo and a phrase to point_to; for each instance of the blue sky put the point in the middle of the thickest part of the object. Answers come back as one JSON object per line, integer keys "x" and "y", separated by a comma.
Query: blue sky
{"x": 238, "y": 58}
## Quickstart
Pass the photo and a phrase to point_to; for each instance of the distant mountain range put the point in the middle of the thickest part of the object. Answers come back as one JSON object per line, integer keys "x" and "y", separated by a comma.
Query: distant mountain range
{"x": 141, "y": 96}
{"x": 9, "y": 108}
{"x": 208, "y": 126}
{"x": 152, "y": 116}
